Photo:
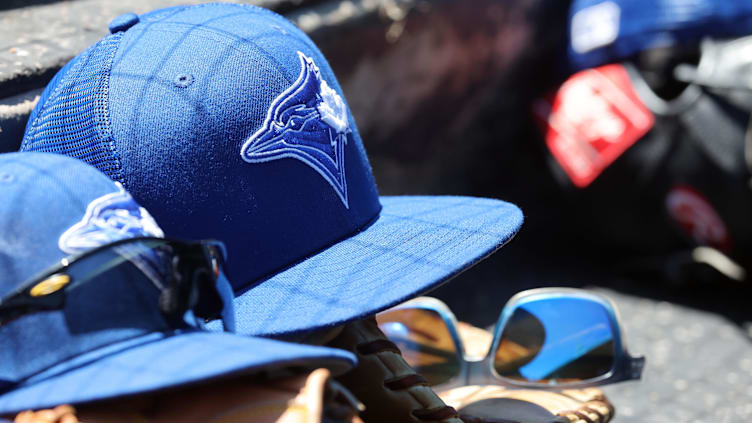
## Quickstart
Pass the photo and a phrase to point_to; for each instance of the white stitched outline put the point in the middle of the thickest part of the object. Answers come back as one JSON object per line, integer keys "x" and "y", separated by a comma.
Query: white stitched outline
{"x": 109, "y": 218}
{"x": 276, "y": 139}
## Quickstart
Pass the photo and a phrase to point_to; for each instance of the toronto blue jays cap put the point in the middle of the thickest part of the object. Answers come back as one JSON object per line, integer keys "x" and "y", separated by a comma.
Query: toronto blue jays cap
{"x": 225, "y": 121}
{"x": 97, "y": 328}
{"x": 607, "y": 31}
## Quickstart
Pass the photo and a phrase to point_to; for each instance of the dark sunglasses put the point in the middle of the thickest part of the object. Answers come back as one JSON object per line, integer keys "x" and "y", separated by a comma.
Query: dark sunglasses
{"x": 187, "y": 275}
{"x": 553, "y": 338}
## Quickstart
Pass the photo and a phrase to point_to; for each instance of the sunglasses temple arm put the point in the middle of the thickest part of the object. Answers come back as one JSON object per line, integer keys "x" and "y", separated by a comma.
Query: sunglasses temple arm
{"x": 627, "y": 368}
{"x": 228, "y": 310}
{"x": 636, "y": 364}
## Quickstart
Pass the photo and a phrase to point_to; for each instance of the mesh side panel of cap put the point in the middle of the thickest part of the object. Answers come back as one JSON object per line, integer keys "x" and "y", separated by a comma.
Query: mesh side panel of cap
{"x": 51, "y": 88}
{"x": 74, "y": 120}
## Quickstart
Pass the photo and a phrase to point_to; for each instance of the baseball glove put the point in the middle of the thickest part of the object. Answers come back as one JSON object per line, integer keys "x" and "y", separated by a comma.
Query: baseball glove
{"x": 492, "y": 404}
{"x": 390, "y": 389}
{"x": 394, "y": 393}
{"x": 496, "y": 404}
{"x": 310, "y": 398}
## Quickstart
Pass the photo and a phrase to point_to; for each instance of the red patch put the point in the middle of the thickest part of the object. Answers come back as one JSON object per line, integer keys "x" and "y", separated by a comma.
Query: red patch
{"x": 591, "y": 120}
{"x": 697, "y": 217}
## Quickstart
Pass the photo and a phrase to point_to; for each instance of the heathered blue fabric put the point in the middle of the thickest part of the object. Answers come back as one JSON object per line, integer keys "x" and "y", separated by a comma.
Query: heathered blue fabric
{"x": 160, "y": 361}
{"x": 180, "y": 146}
{"x": 41, "y": 196}
{"x": 188, "y": 87}
{"x": 110, "y": 329}
{"x": 645, "y": 24}
{"x": 49, "y": 90}
{"x": 417, "y": 244}
{"x": 116, "y": 307}
{"x": 73, "y": 118}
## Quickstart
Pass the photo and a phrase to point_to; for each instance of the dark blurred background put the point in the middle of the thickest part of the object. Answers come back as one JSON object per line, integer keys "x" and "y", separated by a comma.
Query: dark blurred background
{"x": 443, "y": 93}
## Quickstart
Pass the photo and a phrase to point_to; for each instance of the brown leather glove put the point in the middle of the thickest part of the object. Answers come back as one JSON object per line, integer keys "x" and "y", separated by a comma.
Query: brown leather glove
{"x": 492, "y": 404}
{"x": 390, "y": 389}
{"x": 311, "y": 398}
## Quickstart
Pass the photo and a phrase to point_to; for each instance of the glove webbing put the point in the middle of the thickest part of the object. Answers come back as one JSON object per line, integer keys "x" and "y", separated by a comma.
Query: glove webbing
{"x": 595, "y": 407}
{"x": 387, "y": 385}
{"x": 406, "y": 382}
{"x": 574, "y": 406}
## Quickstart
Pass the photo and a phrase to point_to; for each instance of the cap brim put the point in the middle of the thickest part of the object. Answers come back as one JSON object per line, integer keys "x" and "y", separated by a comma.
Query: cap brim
{"x": 159, "y": 361}
{"x": 416, "y": 244}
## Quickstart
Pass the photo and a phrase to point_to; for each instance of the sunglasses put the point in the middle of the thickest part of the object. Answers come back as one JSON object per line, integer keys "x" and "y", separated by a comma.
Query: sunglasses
{"x": 187, "y": 276}
{"x": 552, "y": 338}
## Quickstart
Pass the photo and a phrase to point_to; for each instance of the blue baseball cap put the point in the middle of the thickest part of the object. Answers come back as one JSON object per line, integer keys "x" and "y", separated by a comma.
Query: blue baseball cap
{"x": 607, "y": 31}
{"x": 227, "y": 122}
{"x": 107, "y": 338}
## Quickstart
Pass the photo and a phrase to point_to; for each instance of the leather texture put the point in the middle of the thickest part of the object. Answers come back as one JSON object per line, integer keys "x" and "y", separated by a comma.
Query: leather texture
{"x": 492, "y": 404}
{"x": 496, "y": 404}
{"x": 390, "y": 389}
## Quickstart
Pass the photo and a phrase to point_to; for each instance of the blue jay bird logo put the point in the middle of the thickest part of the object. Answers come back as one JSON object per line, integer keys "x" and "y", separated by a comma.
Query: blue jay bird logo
{"x": 109, "y": 218}
{"x": 308, "y": 122}
{"x": 113, "y": 217}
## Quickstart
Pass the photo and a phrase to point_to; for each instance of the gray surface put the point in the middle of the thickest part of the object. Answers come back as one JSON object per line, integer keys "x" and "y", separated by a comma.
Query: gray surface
{"x": 697, "y": 339}
{"x": 364, "y": 40}
{"x": 699, "y": 365}
{"x": 14, "y": 112}
{"x": 36, "y": 39}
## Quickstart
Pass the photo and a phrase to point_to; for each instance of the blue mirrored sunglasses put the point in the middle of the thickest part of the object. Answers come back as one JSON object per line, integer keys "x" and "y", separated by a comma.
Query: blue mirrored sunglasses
{"x": 552, "y": 338}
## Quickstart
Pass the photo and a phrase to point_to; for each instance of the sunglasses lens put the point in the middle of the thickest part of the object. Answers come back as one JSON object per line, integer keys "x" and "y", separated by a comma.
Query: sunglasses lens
{"x": 425, "y": 342}
{"x": 114, "y": 285}
{"x": 158, "y": 277}
{"x": 556, "y": 341}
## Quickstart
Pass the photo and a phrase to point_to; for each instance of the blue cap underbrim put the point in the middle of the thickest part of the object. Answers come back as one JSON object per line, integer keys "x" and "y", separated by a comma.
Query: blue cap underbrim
{"x": 158, "y": 361}
{"x": 416, "y": 244}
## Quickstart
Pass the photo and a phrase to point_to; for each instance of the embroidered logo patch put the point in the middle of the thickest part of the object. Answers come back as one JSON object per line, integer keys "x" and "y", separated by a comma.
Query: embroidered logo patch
{"x": 308, "y": 122}
{"x": 109, "y": 218}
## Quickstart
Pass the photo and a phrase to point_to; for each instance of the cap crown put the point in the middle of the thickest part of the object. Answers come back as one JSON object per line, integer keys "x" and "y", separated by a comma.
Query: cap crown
{"x": 51, "y": 207}
{"x": 226, "y": 122}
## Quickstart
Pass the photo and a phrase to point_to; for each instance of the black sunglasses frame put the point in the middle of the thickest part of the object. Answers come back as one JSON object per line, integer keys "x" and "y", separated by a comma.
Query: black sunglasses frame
{"x": 196, "y": 267}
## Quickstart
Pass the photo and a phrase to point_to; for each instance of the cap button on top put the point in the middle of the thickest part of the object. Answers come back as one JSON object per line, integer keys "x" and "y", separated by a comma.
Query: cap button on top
{"x": 123, "y": 22}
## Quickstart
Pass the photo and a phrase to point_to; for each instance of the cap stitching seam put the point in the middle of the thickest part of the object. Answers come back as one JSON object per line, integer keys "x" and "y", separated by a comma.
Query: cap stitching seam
{"x": 203, "y": 33}
{"x": 103, "y": 117}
